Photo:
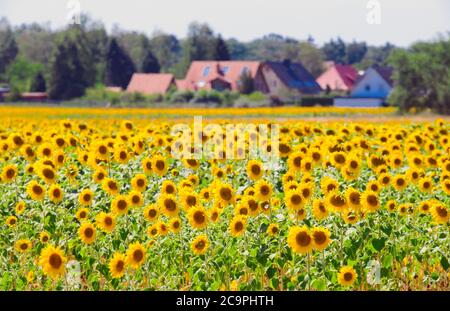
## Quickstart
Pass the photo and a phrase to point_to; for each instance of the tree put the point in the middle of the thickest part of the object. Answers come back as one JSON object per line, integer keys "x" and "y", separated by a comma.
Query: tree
{"x": 311, "y": 57}
{"x": 246, "y": 83}
{"x": 167, "y": 50}
{"x": 67, "y": 73}
{"x": 21, "y": 74}
{"x": 221, "y": 50}
{"x": 237, "y": 50}
{"x": 119, "y": 66}
{"x": 335, "y": 51}
{"x": 150, "y": 64}
{"x": 422, "y": 76}
{"x": 376, "y": 55}
{"x": 8, "y": 46}
{"x": 38, "y": 83}
{"x": 355, "y": 52}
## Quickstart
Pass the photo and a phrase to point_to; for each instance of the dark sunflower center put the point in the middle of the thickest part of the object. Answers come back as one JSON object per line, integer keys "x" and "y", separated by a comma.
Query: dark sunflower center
{"x": 160, "y": 165}
{"x": 348, "y": 276}
{"x": 199, "y": 217}
{"x": 170, "y": 205}
{"x": 138, "y": 255}
{"x": 256, "y": 169}
{"x": 303, "y": 239}
{"x": 89, "y": 233}
{"x": 296, "y": 199}
{"x": 239, "y": 226}
{"x": 225, "y": 194}
{"x": 319, "y": 237}
{"x": 37, "y": 189}
{"x": 55, "y": 261}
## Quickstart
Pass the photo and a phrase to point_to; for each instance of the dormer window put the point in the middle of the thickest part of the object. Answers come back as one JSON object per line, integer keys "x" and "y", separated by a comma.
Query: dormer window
{"x": 206, "y": 71}
{"x": 225, "y": 70}
{"x": 245, "y": 70}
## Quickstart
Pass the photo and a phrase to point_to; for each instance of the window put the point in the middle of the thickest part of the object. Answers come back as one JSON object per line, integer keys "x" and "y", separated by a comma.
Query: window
{"x": 368, "y": 87}
{"x": 206, "y": 71}
{"x": 225, "y": 70}
{"x": 245, "y": 70}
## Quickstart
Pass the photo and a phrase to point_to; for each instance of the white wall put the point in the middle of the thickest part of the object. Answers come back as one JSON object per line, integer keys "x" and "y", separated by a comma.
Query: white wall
{"x": 357, "y": 102}
{"x": 371, "y": 85}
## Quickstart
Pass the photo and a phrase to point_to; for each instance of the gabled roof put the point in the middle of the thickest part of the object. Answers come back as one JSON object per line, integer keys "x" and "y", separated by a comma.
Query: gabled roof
{"x": 295, "y": 76}
{"x": 347, "y": 73}
{"x": 204, "y": 72}
{"x": 150, "y": 83}
{"x": 384, "y": 72}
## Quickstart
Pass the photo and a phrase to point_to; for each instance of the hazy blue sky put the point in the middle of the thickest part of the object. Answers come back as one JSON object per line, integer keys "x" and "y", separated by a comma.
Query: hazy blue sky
{"x": 402, "y": 21}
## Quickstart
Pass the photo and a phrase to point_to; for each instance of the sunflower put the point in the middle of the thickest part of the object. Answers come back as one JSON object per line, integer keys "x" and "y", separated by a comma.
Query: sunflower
{"x": 254, "y": 169}
{"x": 385, "y": 179}
{"x": 307, "y": 190}
{"x": 139, "y": 182}
{"x": 214, "y": 214}
{"x": 200, "y": 245}
{"x": 55, "y": 193}
{"x": 198, "y": 218}
{"x": 121, "y": 155}
{"x": 205, "y": 194}
{"x": 151, "y": 212}
{"x": 20, "y": 207}
{"x": 168, "y": 205}
{"x": 370, "y": 201}
{"x": 414, "y": 175}
{"x": 110, "y": 186}
{"x": 335, "y": 201}
{"x": 403, "y": 209}
{"x": 189, "y": 198}
{"x": 350, "y": 216}
{"x": 135, "y": 255}
{"x": 191, "y": 163}
{"x": 53, "y": 261}
{"x": 237, "y": 226}
{"x": 22, "y": 246}
{"x": 168, "y": 187}
{"x": 47, "y": 173}
{"x": 373, "y": 186}
{"x": 440, "y": 213}
{"x": 321, "y": 238}
{"x": 99, "y": 175}
{"x": 117, "y": 265}
{"x": 28, "y": 152}
{"x": 328, "y": 184}
{"x": 153, "y": 230}
{"x": 294, "y": 200}
{"x": 85, "y": 197}
{"x": 135, "y": 198}
{"x": 319, "y": 209}
{"x": 194, "y": 180}
{"x": 44, "y": 237}
{"x": 338, "y": 159}
{"x": 446, "y": 186}
{"x": 263, "y": 190}
{"x": 426, "y": 184}
{"x": 87, "y": 233}
{"x": 347, "y": 276}
{"x": 159, "y": 165}
{"x": 391, "y": 205}
{"x": 106, "y": 222}
{"x": 425, "y": 207}
{"x": 224, "y": 194}
{"x": 175, "y": 224}
{"x": 101, "y": 151}
{"x": 251, "y": 204}
{"x": 399, "y": 182}
{"x": 353, "y": 164}
{"x": 147, "y": 165}
{"x": 273, "y": 230}
{"x": 35, "y": 190}
{"x": 119, "y": 205}
{"x": 45, "y": 150}
{"x": 9, "y": 173}
{"x": 82, "y": 214}
{"x": 353, "y": 198}
{"x": 300, "y": 240}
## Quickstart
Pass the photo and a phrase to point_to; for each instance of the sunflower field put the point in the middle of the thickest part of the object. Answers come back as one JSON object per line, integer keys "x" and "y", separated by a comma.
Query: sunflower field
{"x": 94, "y": 200}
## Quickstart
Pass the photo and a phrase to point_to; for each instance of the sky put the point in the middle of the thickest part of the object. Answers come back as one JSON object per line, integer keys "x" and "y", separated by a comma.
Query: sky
{"x": 401, "y": 22}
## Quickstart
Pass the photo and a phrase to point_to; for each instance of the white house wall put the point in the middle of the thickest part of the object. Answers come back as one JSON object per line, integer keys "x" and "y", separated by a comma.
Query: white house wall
{"x": 379, "y": 88}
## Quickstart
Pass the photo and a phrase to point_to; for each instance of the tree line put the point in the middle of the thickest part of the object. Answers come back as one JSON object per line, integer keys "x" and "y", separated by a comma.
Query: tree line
{"x": 66, "y": 62}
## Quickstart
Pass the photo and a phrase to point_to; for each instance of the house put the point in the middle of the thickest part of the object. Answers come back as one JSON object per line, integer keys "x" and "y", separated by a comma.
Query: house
{"x": 34, "y": 96}
{"x": 370, "y": 90}
{"x": 221, "y": 75}
{"x": 284, "y": 77}
{"x": 338, "y": 78}
{"x": 151, "y": 83}
{"x": 4, "y": 90}
{"x": 375, "y": 83}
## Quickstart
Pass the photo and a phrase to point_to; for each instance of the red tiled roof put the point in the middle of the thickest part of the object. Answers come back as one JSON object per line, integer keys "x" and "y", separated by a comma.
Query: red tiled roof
{"x": 198, "y": 76}
{"x": 348, "y": 74}
{"x": 150, "y": 83}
